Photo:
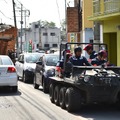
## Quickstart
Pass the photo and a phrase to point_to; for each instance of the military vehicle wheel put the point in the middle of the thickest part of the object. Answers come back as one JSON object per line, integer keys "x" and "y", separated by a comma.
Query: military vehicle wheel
{"x": 62, "y": 97}
{"x": 72, "y": 99}
{"x": 51, "y": 92}
{"x": 56, "y": 94}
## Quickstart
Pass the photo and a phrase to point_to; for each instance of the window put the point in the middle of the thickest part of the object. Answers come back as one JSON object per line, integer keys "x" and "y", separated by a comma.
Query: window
{"x": 91, "y": 40}
{"x": 52, "y": 34}
{"x": 6, "y": 61}
{"x": 45, "y": 34}
{"x": 36, "y": 26}
{"x": 46, "y": 45}
{"x": 37, "y": 45}
{"x": 54, "y": 45}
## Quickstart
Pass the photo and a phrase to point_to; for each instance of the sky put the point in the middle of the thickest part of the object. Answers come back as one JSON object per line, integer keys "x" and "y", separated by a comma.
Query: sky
{"x": 50, "y": 10}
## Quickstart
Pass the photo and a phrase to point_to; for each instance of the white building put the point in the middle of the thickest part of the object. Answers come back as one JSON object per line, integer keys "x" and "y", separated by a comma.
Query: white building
{"x": 41, "y": 37}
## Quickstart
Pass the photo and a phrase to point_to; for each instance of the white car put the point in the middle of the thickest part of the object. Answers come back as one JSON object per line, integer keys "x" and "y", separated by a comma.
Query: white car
{"x": 8, "y": 75}
{"x": 26, "y": 65}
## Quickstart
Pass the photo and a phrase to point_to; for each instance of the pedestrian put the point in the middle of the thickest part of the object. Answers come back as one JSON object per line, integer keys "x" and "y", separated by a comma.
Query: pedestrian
{"x": 89, "y": 49}
{"x": 10, "y": 53}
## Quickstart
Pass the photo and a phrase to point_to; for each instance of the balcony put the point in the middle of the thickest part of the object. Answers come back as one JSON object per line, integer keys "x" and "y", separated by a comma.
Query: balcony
{"x": 105, "y": 9}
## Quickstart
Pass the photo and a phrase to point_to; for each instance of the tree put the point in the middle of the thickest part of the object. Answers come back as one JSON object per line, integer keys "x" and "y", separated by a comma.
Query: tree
{"x": 47, "y": 24}
{"x": 63, "y": 30}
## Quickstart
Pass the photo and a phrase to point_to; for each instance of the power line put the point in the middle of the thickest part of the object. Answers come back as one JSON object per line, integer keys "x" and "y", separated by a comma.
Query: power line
{"x": 6, "y": 1}
{"x": 58, "y": 12}
{"x": 5, "y": 15}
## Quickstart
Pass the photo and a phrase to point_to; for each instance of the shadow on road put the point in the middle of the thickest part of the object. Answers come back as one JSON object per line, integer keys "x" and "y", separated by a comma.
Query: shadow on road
{"x": 6, "y": 91}
{"x": 100, "y": 112}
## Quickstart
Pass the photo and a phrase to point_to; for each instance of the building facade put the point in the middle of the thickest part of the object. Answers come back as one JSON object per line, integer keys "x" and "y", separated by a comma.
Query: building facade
{"x": 8, "y": 35}
{"x": 41, "y": 37}
{"x": 107, "y": 12}
{"x": 78, "y": 25}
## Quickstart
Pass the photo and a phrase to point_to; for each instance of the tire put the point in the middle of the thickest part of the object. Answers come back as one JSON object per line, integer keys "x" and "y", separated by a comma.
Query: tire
{"x": 51, "y": 92}
{"x": 14, "y": 89}
{"x": 24, "y": 78}
{"x": 45, "y": 88}
{"x": 72, "y": 100}
{"x": 56, "y": 94}
{"x": 62, "y": 97}
{"x": 36, "y": 86}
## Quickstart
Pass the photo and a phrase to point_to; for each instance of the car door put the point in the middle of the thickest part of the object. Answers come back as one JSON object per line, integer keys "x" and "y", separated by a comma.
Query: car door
{"x": 21, "y": 65}
{"x": 38, "y": 71}
{"x": 17, "y": 65}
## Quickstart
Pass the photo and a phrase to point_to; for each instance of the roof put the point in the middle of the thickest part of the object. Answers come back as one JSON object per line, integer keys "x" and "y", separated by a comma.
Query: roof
{"x": 3, "y": 27}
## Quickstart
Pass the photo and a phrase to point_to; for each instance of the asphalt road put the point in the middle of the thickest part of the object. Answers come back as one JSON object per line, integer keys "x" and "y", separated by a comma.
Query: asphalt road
{"x": 31, "y": 104}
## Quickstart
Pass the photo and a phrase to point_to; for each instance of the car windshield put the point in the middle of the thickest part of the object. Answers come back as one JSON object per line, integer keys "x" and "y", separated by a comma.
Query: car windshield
{"x": 33, "y": 58}
{"x": 52, "y": 60}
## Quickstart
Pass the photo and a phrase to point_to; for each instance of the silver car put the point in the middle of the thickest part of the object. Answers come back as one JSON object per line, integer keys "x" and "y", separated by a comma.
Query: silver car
{"x": 26, "y": 65}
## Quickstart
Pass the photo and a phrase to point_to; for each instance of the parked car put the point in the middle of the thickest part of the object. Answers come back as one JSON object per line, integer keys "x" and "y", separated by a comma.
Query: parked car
{"x": 26, "y": 65}
{"x": 45, "y": 68}
{"x": 8, "y": 75}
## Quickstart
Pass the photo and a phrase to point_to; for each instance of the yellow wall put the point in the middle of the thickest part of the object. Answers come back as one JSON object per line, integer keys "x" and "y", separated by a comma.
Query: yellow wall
{"x": 111, "y": 25}
{"x": 118, "y": 48}
{"x": 109, "y": 28}
{"x": 87, "y": 11}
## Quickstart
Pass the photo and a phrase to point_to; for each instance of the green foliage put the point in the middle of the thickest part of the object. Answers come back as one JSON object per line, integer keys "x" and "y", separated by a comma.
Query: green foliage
{"x": 47, "y": 24}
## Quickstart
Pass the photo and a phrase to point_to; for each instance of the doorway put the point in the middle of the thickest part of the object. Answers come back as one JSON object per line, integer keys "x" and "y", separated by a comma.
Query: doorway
{"x": 111, "y": 40}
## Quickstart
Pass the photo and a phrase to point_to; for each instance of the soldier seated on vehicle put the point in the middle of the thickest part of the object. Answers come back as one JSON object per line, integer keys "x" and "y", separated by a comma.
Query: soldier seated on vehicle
{"x": 101, "y": 59}
{"x": 92, "y": 54}
{"x": 77, "y": 59}
{"x": 60, "y": 66}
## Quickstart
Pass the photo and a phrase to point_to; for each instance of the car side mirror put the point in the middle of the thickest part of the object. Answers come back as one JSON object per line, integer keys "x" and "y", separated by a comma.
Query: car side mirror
{"x": 21, "y": 61}
{"x": 39, "y": 63}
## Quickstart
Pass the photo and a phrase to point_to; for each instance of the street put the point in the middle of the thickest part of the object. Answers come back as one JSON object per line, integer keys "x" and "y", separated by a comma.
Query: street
{"x": 31, "y": 104}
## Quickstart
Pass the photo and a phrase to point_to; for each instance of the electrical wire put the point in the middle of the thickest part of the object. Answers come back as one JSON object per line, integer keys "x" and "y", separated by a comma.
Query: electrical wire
{"x": 5, "y": 15}
{"x": 58, "y": 12}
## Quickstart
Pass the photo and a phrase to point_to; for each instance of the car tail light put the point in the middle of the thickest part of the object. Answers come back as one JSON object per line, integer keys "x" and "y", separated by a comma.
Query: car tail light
{"x": 11, "y": 69}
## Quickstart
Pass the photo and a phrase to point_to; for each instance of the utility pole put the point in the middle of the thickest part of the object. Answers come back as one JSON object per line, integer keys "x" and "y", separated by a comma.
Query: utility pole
{"x": 66, "y": 20}
{"x": 21, "y": 22}
{"x": 27, "y": 14}
{"x": 14, "y": 13}
{"x": 25, "y": 33}
{"x": 15, "y": 23}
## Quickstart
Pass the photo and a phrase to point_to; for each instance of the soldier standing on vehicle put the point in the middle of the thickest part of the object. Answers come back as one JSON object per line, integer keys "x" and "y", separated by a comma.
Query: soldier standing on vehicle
{"x": 77, "y": 59}
{"x": 92, "y": 54}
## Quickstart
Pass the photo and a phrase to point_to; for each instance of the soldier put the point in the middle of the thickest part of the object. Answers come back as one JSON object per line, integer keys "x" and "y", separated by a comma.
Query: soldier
{"x": 92, "y": 54}
{"x": 77, "y": 59}
{"x": 100, "y": 59}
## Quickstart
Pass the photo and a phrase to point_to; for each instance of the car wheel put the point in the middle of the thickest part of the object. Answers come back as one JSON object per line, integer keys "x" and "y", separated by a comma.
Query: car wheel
{"x": 24, "y": 78}
{"x": 51, "y": 92}
{"x": 36, "y": 86}
{"x": 14, "y": 88}
{"x": 56, "y": 94}
{"x": 62, "y": 97}
{"x": 72, "y": 100}
{"x": 45, "y": 88}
